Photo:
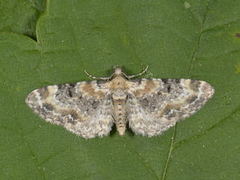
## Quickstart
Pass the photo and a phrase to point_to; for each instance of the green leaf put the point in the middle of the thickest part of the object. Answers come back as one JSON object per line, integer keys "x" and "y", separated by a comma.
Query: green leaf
{"x": 20, "y": 16}
{"x": 177, "y": 39}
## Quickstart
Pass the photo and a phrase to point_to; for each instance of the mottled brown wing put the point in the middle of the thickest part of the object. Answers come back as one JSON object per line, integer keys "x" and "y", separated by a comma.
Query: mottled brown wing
{"x": 83, "y": 108}
{"x": 154, "y": 105}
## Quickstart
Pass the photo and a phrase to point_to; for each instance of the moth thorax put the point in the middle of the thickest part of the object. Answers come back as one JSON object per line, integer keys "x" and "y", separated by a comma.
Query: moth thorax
{"x": 119, "y": 95}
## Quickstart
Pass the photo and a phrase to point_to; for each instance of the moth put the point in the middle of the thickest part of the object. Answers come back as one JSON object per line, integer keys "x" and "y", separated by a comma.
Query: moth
{"x": 148, "y": 106}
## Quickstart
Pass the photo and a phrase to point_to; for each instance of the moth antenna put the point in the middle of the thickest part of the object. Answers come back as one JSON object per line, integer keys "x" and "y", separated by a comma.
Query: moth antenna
{"x": 139, "y": 74}
{"x": 96, "y": 78}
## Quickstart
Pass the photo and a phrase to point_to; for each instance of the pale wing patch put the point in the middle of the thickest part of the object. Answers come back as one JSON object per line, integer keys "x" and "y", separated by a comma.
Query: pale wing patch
{"x": 83, "y": 108}
{"x": 154, "y": 111}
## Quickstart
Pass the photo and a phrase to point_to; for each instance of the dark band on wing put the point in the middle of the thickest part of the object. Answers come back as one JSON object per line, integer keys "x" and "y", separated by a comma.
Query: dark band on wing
{"x": 194, "y": 85}
{"x": 43, "y": 92}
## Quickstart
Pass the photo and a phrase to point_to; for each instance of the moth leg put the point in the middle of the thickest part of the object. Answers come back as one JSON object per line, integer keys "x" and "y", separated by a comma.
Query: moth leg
{"x": 139, "y": 74}
{"x": 96, "y": 78}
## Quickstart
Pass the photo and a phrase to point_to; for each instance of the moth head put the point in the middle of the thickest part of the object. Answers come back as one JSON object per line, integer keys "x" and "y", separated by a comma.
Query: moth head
{"x": 119, "y": 72}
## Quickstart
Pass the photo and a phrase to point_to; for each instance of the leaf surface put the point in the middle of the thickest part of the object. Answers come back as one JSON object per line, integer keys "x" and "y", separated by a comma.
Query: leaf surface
{"x": 177, "y": 39}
